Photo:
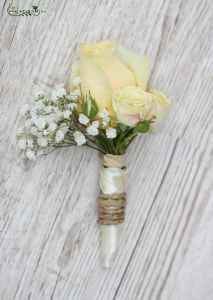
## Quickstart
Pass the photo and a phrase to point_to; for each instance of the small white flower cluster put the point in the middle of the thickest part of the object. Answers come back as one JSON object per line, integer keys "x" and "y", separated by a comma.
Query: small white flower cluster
{"x": 92, "y": 129}
{"x": 46, "y": 123}
{"x": 83, "y": 119}
{"x": 57, "y": 120}
{"x": 111, "y": 132}
{"x": 104, "y": 115}
{"x": 79, "y": 138}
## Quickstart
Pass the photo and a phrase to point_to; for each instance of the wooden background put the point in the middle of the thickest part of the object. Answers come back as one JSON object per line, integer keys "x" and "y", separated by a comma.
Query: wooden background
{"x": 49, "y": 238}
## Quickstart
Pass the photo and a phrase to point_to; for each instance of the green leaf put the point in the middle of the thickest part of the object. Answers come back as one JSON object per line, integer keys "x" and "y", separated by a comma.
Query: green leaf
{"x": 123, "y": 127}
{"x": 94, "y": 109}
{"x": 89, "y": 108}
{"x": 142, "y": 127}
{"x": 35, "y": 7}
{"x": 102, "y": 140}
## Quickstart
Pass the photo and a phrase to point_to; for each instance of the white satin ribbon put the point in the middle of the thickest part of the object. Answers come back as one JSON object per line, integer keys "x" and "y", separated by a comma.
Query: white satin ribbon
{"x": 112, "y": 181}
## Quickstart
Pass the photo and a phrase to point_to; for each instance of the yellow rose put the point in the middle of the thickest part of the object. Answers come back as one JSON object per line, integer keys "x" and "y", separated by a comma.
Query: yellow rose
{"x": 132, "y": 105}
{"x": 105, "y": 67}
{"x": 162, "y": 104}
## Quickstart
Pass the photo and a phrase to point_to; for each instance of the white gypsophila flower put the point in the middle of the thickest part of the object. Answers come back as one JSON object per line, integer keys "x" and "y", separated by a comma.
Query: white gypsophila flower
{"x": 40, "y": 123}
{"x": 55, "y": 117}
{"x": 56, "y": 110}
{"x": 34, "y": 130}
{"x": 22, "y": 144}
{"x": 74, "y": 95}
{"x": 31, "y": 154}
{"x": 58, "y": 92}
{"x": 47, "y": 109}
{"x": 92, "y": 130}
{"x": 30, "y": 143}
{"x": 50, "y": 118}
{"x": 64, "y": 127}
{"x": 95, "y": 124}
{"x": 59, "y": 136}
{"x": 72, "y": 106}
{"x": 33, "y": 110}
{"x": 76, "y": 81}
{"x": 103, "y": 113}
{"x": 34, "y": 117}
{"x": 24, "y": 109}
{"x": 42, "y": 142}
{"x": 33, "y": 114}
{"x": 79, "y": 138}
{"x": 39, "y": 105}
{"x": 20, "y": 130}
{"x": 83, "y": 119}
{"x": 28, "y": 123}
{"x": 57, "y": 114}
{"x": 111, "y": 133}
{"x": 45, "y": 132}
{"x": 54, "y": 95}
{"x": 66, "y": 114}
{"x": 52, "y": 126}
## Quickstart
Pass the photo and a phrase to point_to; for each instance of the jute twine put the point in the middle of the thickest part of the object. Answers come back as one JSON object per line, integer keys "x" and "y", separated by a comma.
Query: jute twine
{"x": 112, "y": 206}
{"x": 114, "y": 161}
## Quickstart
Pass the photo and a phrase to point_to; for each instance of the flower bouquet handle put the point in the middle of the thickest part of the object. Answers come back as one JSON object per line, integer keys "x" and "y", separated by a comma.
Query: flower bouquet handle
{"x": 107, "y": 106}
{"x": 112, "y": 203}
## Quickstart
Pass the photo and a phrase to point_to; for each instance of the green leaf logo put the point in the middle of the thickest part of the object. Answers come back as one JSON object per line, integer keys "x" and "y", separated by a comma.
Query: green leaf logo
{"x": 35, "y": 7}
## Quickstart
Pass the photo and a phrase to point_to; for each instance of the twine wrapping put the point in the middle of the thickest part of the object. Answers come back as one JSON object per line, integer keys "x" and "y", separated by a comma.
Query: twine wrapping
{"x": 114, "y": 161}
{"x": 113, "y": 183}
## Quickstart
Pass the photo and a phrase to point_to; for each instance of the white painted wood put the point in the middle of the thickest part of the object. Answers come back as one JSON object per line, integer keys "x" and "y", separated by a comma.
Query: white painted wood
{"x": 49, "y": 238}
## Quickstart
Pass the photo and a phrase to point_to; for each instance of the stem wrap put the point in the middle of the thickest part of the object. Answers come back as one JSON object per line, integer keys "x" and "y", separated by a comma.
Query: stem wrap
{"x": 111, "y": 209}
{"x": 112, "y": 201}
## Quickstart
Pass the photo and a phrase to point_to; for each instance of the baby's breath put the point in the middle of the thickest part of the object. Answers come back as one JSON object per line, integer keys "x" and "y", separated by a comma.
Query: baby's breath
{"x": 60, "y": 118}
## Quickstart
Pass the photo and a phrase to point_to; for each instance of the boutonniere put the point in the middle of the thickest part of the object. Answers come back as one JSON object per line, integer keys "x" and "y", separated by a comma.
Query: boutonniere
{"x": 106, "y": 106}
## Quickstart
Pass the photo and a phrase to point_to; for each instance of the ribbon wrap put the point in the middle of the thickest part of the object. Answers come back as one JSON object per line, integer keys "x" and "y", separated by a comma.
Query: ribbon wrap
{"x": 113, "y": 185}
{"x": 112, "y": 201}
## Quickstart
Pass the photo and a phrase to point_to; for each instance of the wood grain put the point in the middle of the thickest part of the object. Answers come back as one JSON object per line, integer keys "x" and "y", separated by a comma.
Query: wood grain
{"x": 49, "y": 237}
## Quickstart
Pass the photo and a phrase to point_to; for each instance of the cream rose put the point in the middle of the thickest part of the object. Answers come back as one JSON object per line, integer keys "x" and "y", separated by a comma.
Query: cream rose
{"x": 117, "y": 78}
{"x": 132, "y": 105}
{"x": 105, "y": 67}
{"x": 162, "y": 104}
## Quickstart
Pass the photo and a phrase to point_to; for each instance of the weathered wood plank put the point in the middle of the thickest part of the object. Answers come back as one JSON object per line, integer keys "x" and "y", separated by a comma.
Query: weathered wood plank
{"x": 49, "y": 238}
